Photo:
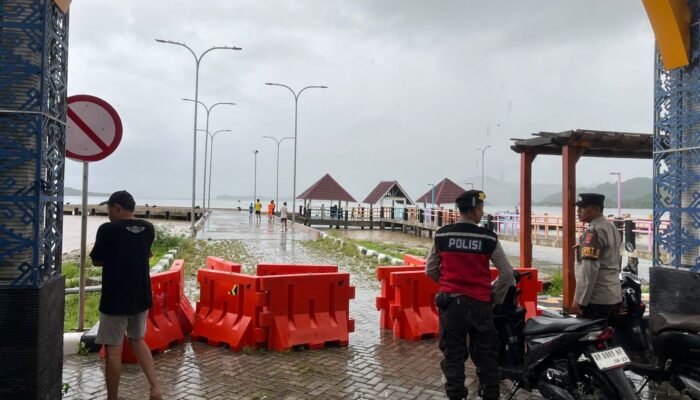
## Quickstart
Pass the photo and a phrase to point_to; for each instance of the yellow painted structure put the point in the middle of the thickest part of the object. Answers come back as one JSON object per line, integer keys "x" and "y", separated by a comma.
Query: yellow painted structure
{"x": 670, "y": 20}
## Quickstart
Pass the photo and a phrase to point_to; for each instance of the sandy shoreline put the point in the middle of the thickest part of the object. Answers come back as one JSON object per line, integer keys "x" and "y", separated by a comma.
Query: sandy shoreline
{"x": 71, "y": 230}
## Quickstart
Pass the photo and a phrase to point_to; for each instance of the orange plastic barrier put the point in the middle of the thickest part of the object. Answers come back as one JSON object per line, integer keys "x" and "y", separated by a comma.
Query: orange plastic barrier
{"x": 291, "y": 269}
{"x": 128, "y": 355}
{"x": 185, "y": 312}
{"x": 219, "y": 264}
{"x": 410, "y": 259}
{"x": 413, "y": 310}
{"x": 171, "y": 316}
{"x": 383, "y": 302}
{"x": 310, "y": 309}
{"x": 228, "y": 309}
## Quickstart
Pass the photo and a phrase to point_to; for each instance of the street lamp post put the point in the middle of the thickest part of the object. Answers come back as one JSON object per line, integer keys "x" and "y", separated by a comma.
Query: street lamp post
{"x": 296, "y": 108}
{"x": 483, "y": 150}
{"x": 278, "y": 141}
{"x": 255, "y": 175}
{"x": 619, "y": 193}
{"x": 211, "y": 158}
{"x": 197, "y": 60}
{"x": 206, "y": 148}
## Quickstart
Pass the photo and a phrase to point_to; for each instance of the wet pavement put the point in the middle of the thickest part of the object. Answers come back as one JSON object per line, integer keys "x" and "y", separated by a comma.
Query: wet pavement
{"x": 373, "y": 366}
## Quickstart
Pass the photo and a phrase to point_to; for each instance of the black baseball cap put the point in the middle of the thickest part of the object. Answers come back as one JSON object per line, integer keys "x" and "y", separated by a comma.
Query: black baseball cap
{"x": 123, "y": 198}
{"x": 590, "y": 199}
{"x": 470, "y": 198}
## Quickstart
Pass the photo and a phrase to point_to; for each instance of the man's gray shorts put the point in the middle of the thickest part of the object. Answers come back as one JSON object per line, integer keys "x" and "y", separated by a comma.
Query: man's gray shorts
{"x": 112, "y": 328}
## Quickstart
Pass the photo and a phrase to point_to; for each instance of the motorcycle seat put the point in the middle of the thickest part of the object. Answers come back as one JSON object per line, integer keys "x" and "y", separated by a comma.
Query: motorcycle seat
{"x": 677, "y": 322}
{"x": 540, "y": 325}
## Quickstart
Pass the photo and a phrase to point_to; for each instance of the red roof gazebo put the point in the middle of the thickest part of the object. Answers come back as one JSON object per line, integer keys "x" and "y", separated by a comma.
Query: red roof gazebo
{"x": 446, "y": 192}
{"x": 326, "y": 188}
{"x": 388, "y": 189}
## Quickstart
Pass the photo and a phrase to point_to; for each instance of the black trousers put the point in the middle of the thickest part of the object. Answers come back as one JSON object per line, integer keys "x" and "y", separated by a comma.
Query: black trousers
{"x": 462, "y": 318}
{"x": 601, "y": 311}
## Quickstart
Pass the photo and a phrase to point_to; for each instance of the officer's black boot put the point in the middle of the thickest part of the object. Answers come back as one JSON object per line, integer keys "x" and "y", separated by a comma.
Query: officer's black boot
{"x": 490, "y": 392}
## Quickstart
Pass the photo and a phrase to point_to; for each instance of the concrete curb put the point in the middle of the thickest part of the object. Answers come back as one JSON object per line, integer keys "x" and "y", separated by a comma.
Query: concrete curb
{"x": 365, "y": 251}
{"x": 164, "y": 263}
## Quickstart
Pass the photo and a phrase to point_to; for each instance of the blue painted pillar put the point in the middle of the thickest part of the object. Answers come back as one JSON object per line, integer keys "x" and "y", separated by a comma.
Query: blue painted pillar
{"x": 33, "y": 76}
{"x": 675, "y": 277}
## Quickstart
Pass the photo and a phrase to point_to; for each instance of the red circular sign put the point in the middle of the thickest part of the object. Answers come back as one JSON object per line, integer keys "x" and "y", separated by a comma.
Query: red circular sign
{"x": 93, "y": 130}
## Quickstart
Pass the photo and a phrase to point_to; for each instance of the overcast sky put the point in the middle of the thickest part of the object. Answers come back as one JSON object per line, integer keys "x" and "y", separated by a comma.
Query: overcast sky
{"x": 414, "y": 88}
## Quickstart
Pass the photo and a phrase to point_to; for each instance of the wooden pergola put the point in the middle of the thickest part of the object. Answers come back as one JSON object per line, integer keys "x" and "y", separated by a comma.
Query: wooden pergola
{"x": 571, "y": 145}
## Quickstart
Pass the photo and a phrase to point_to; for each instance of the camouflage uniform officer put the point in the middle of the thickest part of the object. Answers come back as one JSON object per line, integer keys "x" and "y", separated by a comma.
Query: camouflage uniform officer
{"x": 459, "y": 263}
{"x": 598, "y": 293}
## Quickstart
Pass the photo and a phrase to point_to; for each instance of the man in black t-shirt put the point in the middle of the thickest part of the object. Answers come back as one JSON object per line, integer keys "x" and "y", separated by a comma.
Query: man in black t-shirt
{"x": 122, "y": 248}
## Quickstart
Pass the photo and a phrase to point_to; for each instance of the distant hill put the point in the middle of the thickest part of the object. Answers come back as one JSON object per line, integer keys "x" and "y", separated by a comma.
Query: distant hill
{"x": 69, "y": 191}
{"x": 636, "y": 193}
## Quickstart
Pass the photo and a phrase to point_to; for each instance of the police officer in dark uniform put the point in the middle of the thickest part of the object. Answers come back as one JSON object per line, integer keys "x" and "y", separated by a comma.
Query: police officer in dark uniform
{"x": 598, "y": 293}
{"x": 459, "y": 263}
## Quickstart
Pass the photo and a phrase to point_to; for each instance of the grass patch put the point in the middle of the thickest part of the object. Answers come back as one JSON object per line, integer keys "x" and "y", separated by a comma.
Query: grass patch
{"x": 165, "y": 241}
{"x": 556, "y": 286}
{"x": 348, "y": 258}
{"x": 71, "y": 270}
{"x": 92, "y": 314}
{"x": 195, "y": 253}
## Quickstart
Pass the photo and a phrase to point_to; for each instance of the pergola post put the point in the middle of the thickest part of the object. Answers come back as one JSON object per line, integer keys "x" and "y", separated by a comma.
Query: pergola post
{"x": 570, "y": 156}
{"x": 526, "y": 159}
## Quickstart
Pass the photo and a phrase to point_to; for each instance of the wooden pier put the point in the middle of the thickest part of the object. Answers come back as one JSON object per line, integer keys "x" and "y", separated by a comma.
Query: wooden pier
{"x": 140, "y": 211}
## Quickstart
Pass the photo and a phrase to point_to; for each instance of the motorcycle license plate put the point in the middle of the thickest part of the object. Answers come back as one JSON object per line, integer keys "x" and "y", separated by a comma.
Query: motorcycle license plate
{"x": 612, "y": 358}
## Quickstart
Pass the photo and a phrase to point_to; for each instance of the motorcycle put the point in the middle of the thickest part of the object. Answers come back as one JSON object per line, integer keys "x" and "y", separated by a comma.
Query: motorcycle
{"x": 673, "y": 353}
{"x": 563, "y": 358}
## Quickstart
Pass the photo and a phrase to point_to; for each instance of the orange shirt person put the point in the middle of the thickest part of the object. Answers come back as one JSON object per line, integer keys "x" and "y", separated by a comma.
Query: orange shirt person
{"x": 270, "y": 210}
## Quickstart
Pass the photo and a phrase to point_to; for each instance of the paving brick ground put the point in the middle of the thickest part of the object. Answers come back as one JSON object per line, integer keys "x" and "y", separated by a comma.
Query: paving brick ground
{"x": 373, "y": 366}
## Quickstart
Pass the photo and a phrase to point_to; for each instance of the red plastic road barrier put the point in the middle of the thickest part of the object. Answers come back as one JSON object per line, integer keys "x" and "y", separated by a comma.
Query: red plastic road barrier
{"x": 128, "y": 355}
{"x": 311, "y": 309}
{"x": 171, "y": 316}
{"x": 228, "y": 309}
{"x": 410, "y": 259}
{"x": 529, "y": 286}
{"x": 384, "y": 301}
{"x": 413, "y": 310}
{"x": 185, "y": 312}
{"x": 290, "y": 269}
{"x": 219, "y": 264}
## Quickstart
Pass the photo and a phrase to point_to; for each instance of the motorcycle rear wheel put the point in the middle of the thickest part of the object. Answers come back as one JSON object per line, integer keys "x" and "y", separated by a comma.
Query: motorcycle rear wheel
{"x": 596, "y": 386}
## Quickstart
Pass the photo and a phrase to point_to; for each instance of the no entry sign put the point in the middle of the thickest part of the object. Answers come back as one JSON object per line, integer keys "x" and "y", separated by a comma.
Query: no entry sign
{"x": 94, "y": 128}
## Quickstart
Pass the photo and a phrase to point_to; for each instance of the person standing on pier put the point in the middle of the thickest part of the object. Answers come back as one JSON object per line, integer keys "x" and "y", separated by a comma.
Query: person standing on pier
{"x": 283, "y": 216}
{"x": 598, "y": 293}
{"x": 258, "y": 208}
{"x": 270, "y": 210}
{"x": 122, "y": 248}
{"x": 459, "y": 263}
{"x": 250, "y": 212}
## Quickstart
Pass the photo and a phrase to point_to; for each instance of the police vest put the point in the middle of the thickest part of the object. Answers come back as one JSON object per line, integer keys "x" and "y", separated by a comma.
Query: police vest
{"x": 465, "y": 250}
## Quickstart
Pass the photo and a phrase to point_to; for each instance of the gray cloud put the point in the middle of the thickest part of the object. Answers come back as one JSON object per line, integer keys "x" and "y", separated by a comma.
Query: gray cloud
{"x": 414, "y": 88}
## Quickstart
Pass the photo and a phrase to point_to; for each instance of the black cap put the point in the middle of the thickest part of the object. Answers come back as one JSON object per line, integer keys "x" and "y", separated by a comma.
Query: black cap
{"x": 588, "y": 199}
{"x": 470, "y": 198}
{"x": 123, "y": 198}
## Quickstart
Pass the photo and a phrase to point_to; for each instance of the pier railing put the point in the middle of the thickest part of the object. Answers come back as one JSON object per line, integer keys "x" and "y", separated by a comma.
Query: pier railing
{"x": 545, "y": 228}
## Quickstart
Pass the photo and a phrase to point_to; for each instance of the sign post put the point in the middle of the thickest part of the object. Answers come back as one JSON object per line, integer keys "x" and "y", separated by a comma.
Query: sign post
{"x": 94, "y": 131}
